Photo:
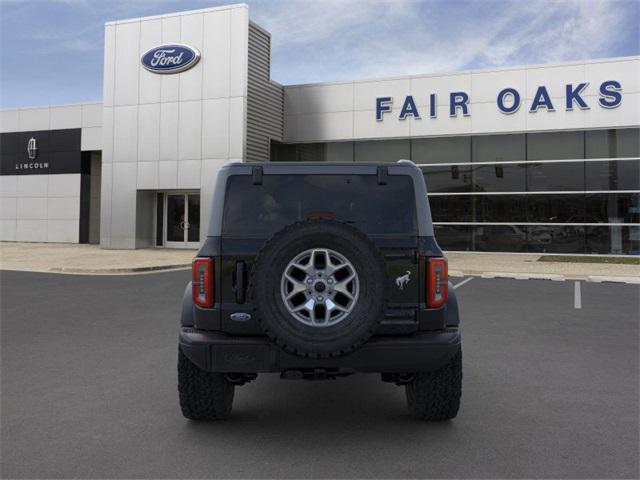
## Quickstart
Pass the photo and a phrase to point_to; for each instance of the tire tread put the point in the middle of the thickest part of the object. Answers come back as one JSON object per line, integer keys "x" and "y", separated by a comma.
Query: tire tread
{"x": 203, "y": 395}
{"x": 435, "y": 396}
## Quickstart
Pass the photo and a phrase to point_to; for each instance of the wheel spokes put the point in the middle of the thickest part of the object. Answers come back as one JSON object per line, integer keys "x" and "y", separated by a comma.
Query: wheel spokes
{"x": 319, "y": 287}
{"x": 343, "y": 286}
{"x": 331, "y": 306}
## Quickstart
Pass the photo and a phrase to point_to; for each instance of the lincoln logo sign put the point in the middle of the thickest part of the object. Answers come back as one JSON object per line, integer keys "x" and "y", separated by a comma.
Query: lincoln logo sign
{"x": 32, "y": 154}
{"x": 508, "y": 101}
{"x": 32, "y": 148}
{"x": 172, "y": 58}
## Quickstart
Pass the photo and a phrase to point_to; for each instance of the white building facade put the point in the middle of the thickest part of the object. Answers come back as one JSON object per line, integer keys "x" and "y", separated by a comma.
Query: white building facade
{"x": 538, "y": 158}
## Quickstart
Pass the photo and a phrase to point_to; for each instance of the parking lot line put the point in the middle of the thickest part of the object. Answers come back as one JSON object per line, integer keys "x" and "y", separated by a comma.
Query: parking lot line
{"x": 459, "y": 284}
{"x": 577, "y": 296}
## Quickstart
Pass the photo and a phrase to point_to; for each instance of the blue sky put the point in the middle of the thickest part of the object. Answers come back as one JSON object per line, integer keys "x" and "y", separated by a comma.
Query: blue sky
{"x": 51, "y": 51}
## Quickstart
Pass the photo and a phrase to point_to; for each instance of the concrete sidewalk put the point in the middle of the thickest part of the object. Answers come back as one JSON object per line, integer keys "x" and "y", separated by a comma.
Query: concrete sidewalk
{"x": 71, "y": 258}
{"x": 493, "y": 265}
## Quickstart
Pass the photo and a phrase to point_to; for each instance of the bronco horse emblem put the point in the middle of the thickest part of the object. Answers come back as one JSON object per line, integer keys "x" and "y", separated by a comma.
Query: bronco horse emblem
{"x": 402, "y": 280}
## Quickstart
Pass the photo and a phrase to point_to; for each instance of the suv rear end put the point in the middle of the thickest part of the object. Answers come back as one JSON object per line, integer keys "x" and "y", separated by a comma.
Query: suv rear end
{"x": 317, "y": 271}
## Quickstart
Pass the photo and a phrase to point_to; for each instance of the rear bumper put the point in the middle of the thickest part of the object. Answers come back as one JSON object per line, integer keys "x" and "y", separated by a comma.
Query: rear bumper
{"x": 216, "y": 352}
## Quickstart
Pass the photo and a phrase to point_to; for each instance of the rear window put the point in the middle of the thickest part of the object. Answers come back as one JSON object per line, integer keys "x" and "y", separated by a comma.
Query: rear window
{"x": 285, "y": 199}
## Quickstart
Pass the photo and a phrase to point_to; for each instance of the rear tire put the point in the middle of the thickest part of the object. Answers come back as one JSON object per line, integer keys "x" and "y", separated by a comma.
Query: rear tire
{"x": 280, "y": 324}
{"x": 435, "y": 396}
{"x": 203, "y": 395}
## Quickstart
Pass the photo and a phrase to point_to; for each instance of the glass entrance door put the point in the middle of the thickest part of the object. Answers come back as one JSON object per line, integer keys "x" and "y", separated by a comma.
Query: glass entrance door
{"x": 182, "y": 220}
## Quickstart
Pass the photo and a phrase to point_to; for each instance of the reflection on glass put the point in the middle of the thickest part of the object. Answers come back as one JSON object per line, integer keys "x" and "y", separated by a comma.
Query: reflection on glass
{"x": 194, "y": 218}
{"x": 556, "y": 239}
{"x": 454, "y": 237}
{"x": 451, "y": 208}
{"x": 500, "y": 208}
{"x": 175, "y": 218}
{"x": 500, "y": 238}
{"x": 499, "y": 148}
{"x": 613, "y": 207}
{"x": 555, "y": 145}
{"x": 555, "y": 208}
{"x": 544, "y": 177}
{"x": 441, "y": 150}
{"x": 613, "y": 175}
{"x": 448, "y": 178}
{"x": 499, "y": 178}
{"x": 612, "y": 143}
{"x": 339, "y": 152}
{"x": 285, "y": 199}
{"x": 618, "y": 240}
{"x": 382, "y": 150}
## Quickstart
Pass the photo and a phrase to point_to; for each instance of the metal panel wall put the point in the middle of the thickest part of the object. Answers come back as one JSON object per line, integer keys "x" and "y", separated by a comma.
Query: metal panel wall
{"x": 265, "y": 100}
{"x": 337, "y": 111}
{"x": 169, "y": 132}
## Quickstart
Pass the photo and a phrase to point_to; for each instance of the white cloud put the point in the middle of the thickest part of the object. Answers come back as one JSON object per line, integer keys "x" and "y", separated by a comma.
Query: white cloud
{"x": 326, "y": 40}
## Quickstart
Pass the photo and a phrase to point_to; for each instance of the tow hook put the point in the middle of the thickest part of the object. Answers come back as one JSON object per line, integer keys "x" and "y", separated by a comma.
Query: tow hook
{"x": 398, "y": 378}
{"x": 240, "y": 378}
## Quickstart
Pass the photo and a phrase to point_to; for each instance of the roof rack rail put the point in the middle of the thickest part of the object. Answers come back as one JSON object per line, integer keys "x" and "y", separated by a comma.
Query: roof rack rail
{"x": 404, "y": 160}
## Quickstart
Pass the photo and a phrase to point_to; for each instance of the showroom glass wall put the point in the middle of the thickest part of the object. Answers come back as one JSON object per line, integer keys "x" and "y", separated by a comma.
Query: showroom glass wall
{"x": 560, "y": 192}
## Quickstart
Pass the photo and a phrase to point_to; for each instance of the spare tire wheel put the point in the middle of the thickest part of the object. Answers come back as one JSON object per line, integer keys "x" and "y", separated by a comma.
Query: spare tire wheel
{"x": 318, "y": 288}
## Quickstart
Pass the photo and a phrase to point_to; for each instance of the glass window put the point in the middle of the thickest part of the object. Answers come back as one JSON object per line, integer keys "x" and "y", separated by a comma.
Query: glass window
{"x": 310, "y": 152}
{"x": 500, "y": 208}
{"x": 560, "y": 208}
{"x": 453, "y": 237}
{"x": 284, "y": 199}
{"x": 500, "y": 238}
{"x": 441, "y": 150}
{"x": 549, "y": 177}
{"x": 499, "y": 148}
{"x": 282, "y": 152}
{"x": 448, "y": 178}
{"x": 624, "y": 142}
{"x": 194, "y": 217}
{"x": 613, "y": 175}
{"x": 613, "y": 208}
{"x": 555, "y": 145}
{"x": 382, "y": 151}
{"x": 339, "y": 152}
{"x": 614, "y": 240}
{"x": 556, "y": 239}
{"x": 451, "y": 208}
{"x": 499, "y": 178}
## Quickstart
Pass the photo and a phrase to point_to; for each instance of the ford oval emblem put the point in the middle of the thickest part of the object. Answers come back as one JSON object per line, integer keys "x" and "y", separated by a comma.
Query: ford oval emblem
{"x": 173, "y": 58}
{"x": 240, "y": 317}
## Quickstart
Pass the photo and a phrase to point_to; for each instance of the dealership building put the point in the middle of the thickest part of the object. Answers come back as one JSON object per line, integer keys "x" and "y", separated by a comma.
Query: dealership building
{"x": 541, "y": 158}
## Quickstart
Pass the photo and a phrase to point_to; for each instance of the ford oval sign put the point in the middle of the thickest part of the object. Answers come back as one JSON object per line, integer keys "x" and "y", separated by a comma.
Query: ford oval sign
{"x": 172, "y": 58}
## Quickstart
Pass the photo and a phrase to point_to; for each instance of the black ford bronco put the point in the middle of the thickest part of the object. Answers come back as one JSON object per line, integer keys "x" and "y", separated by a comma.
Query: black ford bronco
{"x": 315, "y": 271}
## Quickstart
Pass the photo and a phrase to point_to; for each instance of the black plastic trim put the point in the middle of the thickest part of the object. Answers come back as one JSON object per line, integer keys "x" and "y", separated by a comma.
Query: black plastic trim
{"x": 222, "y": 353}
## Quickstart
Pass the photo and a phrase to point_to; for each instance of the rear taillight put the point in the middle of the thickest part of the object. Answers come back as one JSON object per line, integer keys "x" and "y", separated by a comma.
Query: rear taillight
{"x": 437, "y": 282}
{"x": 202, "y": 282}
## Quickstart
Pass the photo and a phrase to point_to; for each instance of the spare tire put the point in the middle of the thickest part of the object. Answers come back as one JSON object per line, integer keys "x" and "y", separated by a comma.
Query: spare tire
{"x": 318, "y": 288}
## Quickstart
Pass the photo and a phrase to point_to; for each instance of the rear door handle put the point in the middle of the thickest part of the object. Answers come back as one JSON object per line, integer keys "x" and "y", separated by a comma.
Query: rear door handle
{"x": 240, "y": 282}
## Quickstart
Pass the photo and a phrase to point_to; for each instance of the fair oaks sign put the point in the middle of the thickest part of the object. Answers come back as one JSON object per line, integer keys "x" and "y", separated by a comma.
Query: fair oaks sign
{"x": 508, "y": 101}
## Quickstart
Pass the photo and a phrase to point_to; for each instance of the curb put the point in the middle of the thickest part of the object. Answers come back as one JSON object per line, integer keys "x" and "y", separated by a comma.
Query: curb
{"x": 599, "y": 279}
{"x": 547, "y": 276}
{"x": 154, "y": 268}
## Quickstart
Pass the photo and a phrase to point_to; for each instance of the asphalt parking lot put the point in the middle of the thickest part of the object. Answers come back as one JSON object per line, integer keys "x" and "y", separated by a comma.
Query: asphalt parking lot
{"x": 89, "y": 390}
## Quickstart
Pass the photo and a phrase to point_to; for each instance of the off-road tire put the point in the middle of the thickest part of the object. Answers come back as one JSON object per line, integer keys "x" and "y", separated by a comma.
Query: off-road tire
{"x": 291, "y": 334}
{"x": 203, "y": 395}
{"x": 435, "y": 396}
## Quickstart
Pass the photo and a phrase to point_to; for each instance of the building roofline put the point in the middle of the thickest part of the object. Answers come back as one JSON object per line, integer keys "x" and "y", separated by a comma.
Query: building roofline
{"x": 466, "y": 72}
{"x": 179, "y": 14}
{"x": 378, "y": 79}
{"x": 53, "y": 105}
